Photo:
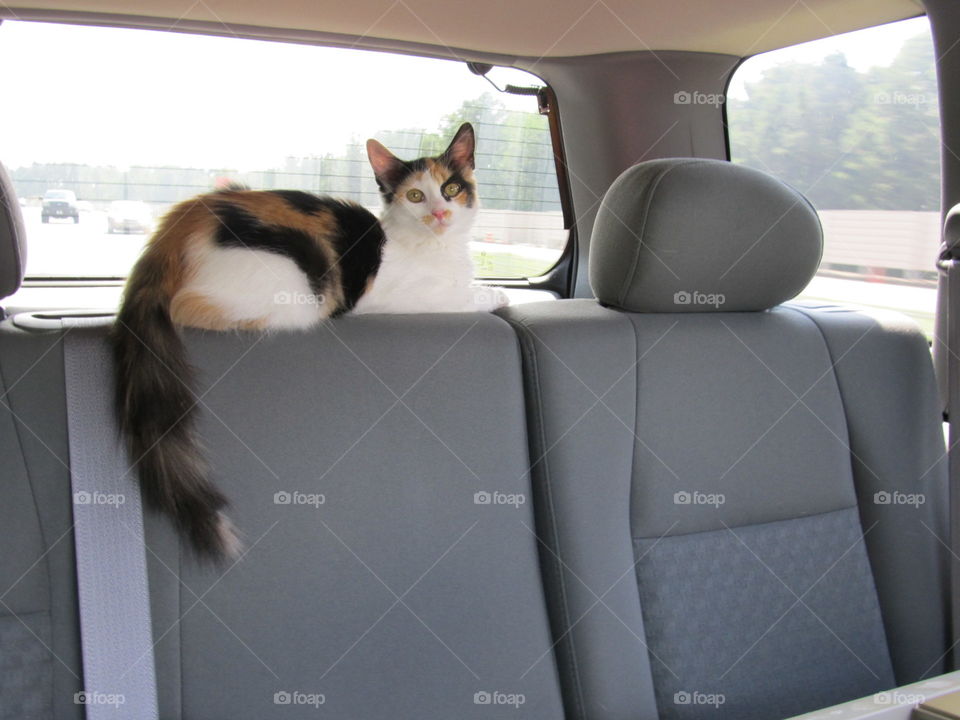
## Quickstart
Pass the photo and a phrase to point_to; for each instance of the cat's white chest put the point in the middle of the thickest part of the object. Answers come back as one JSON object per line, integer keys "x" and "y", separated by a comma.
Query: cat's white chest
{"x": 428, "y": 277}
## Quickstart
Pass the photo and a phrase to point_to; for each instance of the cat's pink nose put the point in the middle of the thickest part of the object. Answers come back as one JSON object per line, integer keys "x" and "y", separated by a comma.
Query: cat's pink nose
{"x": 439, "y": 214}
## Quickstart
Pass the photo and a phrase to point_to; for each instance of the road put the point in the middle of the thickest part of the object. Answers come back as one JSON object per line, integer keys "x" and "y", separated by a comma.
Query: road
{"x": 64, "y": 249}
{"x": 920, "y": 303}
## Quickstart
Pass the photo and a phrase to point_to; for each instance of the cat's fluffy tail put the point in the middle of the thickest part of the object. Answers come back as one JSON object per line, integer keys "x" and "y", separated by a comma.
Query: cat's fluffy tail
{"x": 156, "y": 407}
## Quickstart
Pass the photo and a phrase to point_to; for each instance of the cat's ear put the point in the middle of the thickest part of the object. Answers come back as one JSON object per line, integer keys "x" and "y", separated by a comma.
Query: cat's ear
{"x": 387, "y": 167}
{"x": 460, "y": 153}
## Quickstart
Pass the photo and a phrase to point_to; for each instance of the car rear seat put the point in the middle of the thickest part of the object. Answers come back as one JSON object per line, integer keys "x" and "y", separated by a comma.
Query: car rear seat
{"x": 404, "y": 594}
{"x": 743, "y": 503}
{"x": 638, "y": 414}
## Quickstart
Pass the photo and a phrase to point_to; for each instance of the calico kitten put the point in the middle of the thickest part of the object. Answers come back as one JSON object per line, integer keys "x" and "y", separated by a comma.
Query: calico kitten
{"x": 429, "y": 206}
{"x": 235, "y": 259}
{"x": 239, "y": 259}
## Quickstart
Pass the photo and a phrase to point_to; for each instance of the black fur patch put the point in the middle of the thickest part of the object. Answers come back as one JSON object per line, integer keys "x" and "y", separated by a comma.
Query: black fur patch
{"x": 468, "y": 187}
{"x": 400, "y": 172}
{"x": 359, "y": 242}
{"x": 304, "y": 202}
{"x": 241, "y": 229}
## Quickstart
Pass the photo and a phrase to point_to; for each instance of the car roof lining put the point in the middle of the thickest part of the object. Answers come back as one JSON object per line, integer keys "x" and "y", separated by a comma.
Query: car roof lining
{"x": 499, "y": 31}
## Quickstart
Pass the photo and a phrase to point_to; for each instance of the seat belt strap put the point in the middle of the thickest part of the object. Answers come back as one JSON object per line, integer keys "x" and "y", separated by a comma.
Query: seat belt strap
{"x": 115, "y": 628}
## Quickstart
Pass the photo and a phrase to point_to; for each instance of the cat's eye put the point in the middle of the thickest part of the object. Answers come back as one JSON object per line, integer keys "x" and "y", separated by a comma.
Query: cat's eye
{"x": 451, "y": 189}
{"x": 415, "y": 196}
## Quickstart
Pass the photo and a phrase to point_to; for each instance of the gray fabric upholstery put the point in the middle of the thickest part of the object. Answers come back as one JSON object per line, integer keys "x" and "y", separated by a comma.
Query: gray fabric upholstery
{"x": 26, "y": 668}
{"x": 399, "y": 595}
{"x": 718, "y": 413}
{"x": 399, "y": 515}
{"x": 40, "y": 577}
{"x": 772, "y": 619}
{"x": 698, "y": 235}
{"x": 642, "y": 422}
{"x": 883, "y": 369}
{"x": 13, "y": 240}
{"x": 575, "y": 352}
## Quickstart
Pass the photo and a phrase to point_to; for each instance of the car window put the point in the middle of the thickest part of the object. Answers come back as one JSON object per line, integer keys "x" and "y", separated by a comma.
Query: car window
{"x": 184, "y": 114}
{"x": 852, "y": 122}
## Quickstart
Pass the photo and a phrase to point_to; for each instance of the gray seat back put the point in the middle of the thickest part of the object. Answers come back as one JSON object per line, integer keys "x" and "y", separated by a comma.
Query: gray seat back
{"x": 744, "y": 506}
{"x": 378, "y": 469}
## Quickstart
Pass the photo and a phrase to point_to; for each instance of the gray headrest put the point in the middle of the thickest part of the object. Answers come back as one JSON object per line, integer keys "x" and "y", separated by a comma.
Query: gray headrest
{"x": 690, "y": 235}
{"x": 13, "y": 238}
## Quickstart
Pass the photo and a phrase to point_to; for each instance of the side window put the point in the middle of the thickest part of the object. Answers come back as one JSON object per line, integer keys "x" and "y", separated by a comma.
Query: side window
{"x": 106, "y": 149}
{"x": 852, "y": 122}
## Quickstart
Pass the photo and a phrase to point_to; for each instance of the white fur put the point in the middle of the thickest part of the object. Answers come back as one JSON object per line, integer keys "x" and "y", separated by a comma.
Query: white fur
{"x": 426, "y": 264}
{"x": 253, "y": 285}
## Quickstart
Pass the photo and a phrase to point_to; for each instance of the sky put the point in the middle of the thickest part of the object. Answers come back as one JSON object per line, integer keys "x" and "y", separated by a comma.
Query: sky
{"x": 863, "y": 49}
{"x": 140, "y": 97}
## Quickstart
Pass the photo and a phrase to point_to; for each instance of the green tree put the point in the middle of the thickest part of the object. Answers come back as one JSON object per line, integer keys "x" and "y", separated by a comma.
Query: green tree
{"x": 846, "y": 139}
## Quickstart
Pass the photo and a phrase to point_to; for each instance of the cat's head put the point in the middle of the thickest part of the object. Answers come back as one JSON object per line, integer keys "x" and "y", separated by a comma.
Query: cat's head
{"x": 431, "y": 196}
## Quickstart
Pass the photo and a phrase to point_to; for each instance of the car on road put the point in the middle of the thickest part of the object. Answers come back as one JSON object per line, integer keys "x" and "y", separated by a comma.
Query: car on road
{"x": 129, "y": 216}
{"x": 60, "y": 204}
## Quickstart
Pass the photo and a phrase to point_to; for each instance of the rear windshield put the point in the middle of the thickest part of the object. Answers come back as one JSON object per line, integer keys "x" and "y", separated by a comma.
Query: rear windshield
{"x": 158, "y": 117}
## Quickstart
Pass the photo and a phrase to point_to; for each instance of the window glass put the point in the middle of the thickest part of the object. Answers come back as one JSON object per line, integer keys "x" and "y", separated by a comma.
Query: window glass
{"x": 113, "y": 126}
{"x": 852, "y": 122}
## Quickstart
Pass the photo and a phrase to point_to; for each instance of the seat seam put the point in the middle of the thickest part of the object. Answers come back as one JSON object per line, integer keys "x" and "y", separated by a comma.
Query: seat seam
{"x": 647, "y": 202}
{"x": 853, "y": 479}
{"x": 836, "y": 381}
{"x": 629, "y": 503}
{"x": 855, "y": 506}
{"x": 528, "y": 342}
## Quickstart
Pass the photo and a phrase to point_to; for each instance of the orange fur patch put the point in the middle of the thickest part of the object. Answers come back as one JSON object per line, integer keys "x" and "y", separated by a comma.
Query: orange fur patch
{"x": 195, "y": 310}
{"x": 439, "y": 172}
{"x": 467, "y": 175}
{"x": 189, "y": 308}
{"x": 190, "y": 221}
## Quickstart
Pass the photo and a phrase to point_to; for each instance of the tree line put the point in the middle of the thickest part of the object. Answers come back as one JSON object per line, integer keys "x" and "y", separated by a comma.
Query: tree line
{"x": 515, "y": 168}
{"x": 846, "y": 139}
